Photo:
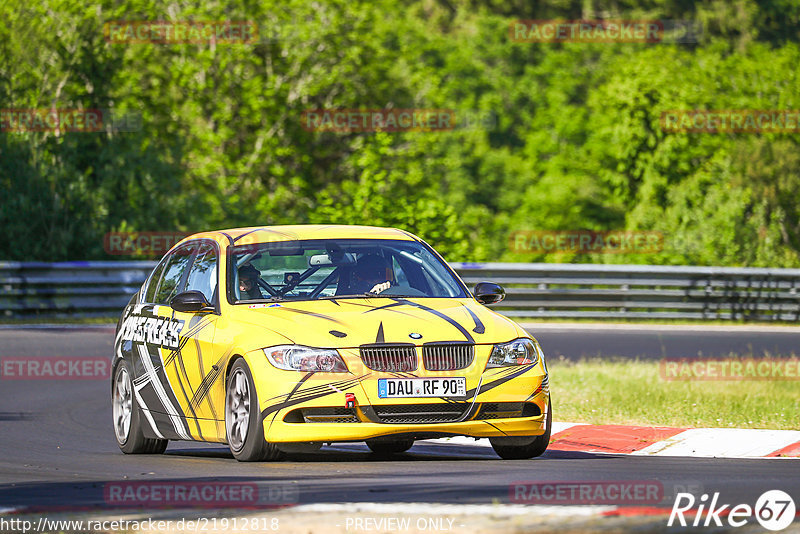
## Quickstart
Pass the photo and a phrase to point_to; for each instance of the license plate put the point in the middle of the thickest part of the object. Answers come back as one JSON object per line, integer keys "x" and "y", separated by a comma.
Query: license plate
{"x": 399, "y": 388}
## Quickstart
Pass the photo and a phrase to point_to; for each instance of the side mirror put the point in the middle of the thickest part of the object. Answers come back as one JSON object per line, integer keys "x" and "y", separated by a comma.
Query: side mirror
{"x": 489, "y": 293}
{"x": 191, "y": 302}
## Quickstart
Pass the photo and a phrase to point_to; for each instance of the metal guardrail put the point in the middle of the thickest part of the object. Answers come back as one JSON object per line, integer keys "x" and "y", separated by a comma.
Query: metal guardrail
{"x": 641, "y": 291}
{"x": 86, "y": 289}
{"x": 69, "y": 289}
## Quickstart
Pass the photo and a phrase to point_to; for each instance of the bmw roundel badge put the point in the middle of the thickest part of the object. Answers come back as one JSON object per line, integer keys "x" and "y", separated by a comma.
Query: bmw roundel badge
{"x": 414, "y": 335}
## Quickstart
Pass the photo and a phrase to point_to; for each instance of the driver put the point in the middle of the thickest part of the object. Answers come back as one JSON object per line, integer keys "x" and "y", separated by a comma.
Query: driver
{"x": 247, "y": 282}
{"x": 372, "y": 274}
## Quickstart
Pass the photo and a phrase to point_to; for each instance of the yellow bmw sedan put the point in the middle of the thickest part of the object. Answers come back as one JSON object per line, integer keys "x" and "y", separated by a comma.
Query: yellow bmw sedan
{"x": 284, "y": 338}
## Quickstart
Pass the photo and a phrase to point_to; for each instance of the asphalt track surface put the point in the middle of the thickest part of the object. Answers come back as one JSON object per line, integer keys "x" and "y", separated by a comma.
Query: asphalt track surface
{"x": 57, "y": 448}
{"x": 652, "y": 342}
{"x": 572, "y": 341}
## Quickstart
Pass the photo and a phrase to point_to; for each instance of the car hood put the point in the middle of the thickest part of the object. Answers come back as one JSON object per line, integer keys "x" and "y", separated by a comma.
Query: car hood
{"x": 349, "y": 323}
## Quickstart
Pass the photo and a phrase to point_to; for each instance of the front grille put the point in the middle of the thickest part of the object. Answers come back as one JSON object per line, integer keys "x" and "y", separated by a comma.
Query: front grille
{"x": 447, "y": 356}
{"x": 389, "y": 358}
{"x": 422, "y": 413}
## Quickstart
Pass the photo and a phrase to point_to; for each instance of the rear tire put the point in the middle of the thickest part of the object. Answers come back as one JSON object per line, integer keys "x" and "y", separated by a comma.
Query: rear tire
{"x": 127, "y": 417}
{"x": 387, "y": 446}
{"x": 244, "y": 426}
{"x": 521, "y": 448}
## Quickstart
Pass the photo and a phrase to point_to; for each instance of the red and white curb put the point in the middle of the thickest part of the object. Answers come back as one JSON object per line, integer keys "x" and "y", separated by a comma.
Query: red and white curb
{"x": 664, "y": 441}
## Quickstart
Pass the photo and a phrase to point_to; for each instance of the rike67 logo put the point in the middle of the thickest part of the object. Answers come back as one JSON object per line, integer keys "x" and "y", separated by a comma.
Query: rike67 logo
{"x": 774, "y": 510}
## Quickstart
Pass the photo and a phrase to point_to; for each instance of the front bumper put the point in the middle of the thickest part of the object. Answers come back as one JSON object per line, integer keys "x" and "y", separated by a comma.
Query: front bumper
{"x": 503, "y": 402}
{"x": 334, "y": 432}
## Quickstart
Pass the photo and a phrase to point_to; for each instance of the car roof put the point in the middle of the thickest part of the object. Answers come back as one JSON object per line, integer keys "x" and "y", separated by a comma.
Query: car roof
{"x": 261, "y": 234}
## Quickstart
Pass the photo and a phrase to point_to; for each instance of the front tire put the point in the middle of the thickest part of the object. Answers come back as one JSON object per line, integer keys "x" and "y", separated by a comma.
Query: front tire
{"x": 389, "y": 446}
{"x": 128, "y": 417}
{"x": 521, "y": 448}
{"x": 243, "y": 423}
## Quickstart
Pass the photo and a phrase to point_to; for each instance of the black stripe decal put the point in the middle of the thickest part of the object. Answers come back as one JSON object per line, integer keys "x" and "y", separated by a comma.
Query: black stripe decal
{"x": 479, "y": 328}
{"x": 491, "y": 425}
{"x": 502, "y": 380}
{"x": 439, "y": 314}
{"x": 206, "y": 383}
{"x": 379, "y": 337}
{"x": 388, "y": 306}
{"x": 299, "y": 400}
{"x": 313, "y": 314}
{"x": 182, "y": 368}
{"x": 296, "y": 387}
{"x": 385, "y": 306}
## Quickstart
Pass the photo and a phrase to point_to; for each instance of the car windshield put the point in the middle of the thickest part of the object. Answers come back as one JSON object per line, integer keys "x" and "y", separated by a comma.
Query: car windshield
{"x": 338, "y": 268}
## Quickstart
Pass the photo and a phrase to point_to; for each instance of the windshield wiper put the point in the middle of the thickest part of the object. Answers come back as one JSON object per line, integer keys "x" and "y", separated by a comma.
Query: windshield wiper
{"x": 262, "y": 299}
{"x": 354, "y": 295}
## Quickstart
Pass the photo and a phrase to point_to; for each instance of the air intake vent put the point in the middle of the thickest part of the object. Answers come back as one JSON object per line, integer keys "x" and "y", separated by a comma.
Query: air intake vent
{"x": 329, "y": 415}
{"x": 390, "y": 358}
{"x": 508, "y": 410}
{"x": 447, "y": 356}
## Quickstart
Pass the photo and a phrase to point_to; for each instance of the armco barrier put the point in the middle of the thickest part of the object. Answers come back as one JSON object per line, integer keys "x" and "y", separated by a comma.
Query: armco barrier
{"x": 641, "y": 291}
{"x": 85, "y": 289}
{"x": 77, "y": 289}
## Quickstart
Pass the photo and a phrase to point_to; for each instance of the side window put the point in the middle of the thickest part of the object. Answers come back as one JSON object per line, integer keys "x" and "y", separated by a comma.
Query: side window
{"x": 173, "y": 274}
{"x": 154, "y": 279}
{"x": 203, "y": 274}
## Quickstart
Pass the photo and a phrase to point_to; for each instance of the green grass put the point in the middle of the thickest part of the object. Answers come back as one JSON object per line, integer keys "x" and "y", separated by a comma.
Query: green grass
{"x": 633, "y": 393}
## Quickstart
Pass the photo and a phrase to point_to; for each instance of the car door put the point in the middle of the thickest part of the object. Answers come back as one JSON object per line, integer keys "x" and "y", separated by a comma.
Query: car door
{"x": 198, "y": 363}
{"x": 151, "y": 337}
{"x": 174, "y": 354}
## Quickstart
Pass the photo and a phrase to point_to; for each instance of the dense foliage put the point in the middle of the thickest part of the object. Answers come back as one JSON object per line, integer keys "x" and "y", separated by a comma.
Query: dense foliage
{"x": 576, "y": 145}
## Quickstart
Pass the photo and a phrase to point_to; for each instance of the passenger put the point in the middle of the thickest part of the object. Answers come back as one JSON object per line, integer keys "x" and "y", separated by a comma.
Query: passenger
{"x": 248, "y": 287}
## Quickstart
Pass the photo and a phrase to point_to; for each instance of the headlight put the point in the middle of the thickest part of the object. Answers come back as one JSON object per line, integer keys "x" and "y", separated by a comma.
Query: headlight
{"x": 521, "y": 351}
{"x": 300, "y": 358}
